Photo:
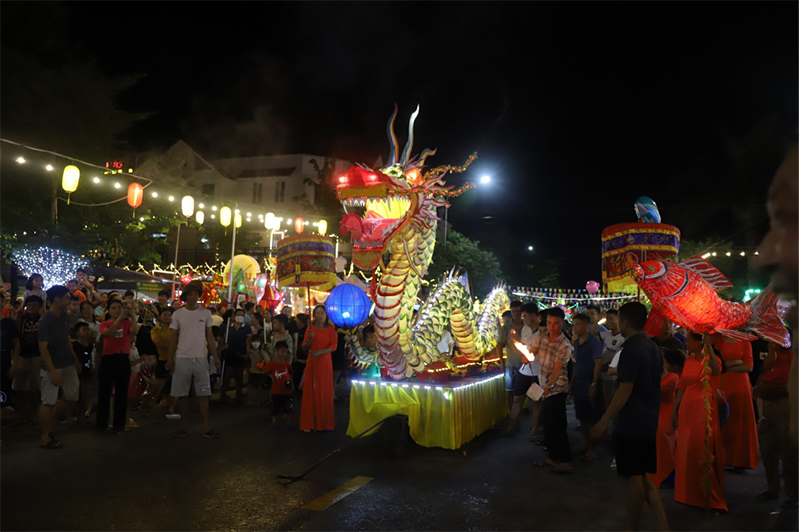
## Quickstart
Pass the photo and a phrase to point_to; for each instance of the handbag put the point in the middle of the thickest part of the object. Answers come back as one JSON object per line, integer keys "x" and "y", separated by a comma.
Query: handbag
{"x": 535, "y": 392}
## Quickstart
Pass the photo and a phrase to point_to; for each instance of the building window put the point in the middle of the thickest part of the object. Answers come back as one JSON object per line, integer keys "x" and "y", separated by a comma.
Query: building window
{"x": 258, "y": 189}
{"x": 208, "y": 190}
{"x": 280, "y": 190}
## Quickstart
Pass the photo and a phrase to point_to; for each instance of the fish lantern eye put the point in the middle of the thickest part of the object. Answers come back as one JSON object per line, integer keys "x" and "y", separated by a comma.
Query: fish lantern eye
{"x": 372, "y": 177}
{"x": 343, "y": 179}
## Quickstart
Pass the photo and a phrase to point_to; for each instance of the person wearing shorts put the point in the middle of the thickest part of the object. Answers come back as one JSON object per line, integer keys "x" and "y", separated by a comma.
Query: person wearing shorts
{"x": 190, "y": 343}
{"x": 60, "y": 365}
{"x": 280, "y": 370}
{"x": 588, "y": 356}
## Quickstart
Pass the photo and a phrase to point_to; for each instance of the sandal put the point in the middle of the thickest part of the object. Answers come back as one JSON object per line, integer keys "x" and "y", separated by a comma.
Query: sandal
{"x": 180, "y": 434}
{"x": 561, "y": 470}
{"x": 52, "y": 444}
{"x": 211, "y": 434}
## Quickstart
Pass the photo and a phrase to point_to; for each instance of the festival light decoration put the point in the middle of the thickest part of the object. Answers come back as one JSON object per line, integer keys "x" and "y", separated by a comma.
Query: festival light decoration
{"x": 322, "y": 227}
{"x": 402, "y": 208}
{"x": 237, "y": 220}
{"x": 299, "y": 225}
{"x": 269, "y": 220}
{"x": 348, "y": 306}
{"x": 200, "y": 217}
{"x": 55, "y": 266}
{"x": 70, "y": 179}
{"x": 135, "y": 195}
{"x": 187, "y": 206}
{"x": 225, "y": 216}
{"x": 685, "y": 293}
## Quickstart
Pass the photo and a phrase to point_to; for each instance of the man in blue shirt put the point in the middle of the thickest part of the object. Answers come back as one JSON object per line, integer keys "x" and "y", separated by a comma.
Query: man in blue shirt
{"x": 235, "y": 356}
{"x": 586, "y": 379}
{"x": 594, "y": 312}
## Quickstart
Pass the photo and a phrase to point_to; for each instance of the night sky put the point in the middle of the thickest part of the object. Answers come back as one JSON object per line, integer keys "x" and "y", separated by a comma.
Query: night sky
{"x": 575, "y": 109}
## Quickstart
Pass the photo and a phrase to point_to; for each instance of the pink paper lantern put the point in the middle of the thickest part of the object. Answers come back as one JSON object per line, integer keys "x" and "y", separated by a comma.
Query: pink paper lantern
{"x": 592, "y": 286}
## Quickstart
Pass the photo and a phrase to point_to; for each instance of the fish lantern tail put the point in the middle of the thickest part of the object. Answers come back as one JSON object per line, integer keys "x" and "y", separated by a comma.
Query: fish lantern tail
{"x": 765, "y": 321}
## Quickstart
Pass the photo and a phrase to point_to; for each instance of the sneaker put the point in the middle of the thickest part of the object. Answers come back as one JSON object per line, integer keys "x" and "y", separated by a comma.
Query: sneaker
{"x": 614, "y": 463}
{"x": 172, "y": 415}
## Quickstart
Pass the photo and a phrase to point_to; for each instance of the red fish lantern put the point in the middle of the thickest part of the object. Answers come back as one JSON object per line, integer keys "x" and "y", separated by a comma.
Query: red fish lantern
{"x": 299, "y": 225}
{"x": 135, "y": 195}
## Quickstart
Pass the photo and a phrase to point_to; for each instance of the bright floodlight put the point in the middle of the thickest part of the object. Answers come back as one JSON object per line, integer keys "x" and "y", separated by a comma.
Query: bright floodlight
{"x": 486, "y": 179}
{"x": 530, "y": 248}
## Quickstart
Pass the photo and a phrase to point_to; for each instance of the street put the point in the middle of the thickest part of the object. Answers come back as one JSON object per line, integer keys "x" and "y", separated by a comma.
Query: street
{"x": 148, "y": 480}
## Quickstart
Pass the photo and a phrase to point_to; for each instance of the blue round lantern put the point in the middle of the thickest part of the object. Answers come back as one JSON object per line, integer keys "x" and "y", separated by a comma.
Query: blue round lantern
{"x": 347, "y": 306}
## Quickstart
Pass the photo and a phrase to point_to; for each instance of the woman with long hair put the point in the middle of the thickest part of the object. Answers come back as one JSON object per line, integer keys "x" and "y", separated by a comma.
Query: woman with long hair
{"x": 739, "y": 434}
{"x": 320, "y": 341}
{"x": 697, "y": 482}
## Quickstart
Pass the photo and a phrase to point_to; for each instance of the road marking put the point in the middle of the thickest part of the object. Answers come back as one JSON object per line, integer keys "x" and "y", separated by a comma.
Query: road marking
{"x": 338, "y": 494}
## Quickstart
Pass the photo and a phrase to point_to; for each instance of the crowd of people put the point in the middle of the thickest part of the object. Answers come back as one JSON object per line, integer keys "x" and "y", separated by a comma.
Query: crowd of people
{"x": 70, "y": 353}
{"x": 649, "y": 393}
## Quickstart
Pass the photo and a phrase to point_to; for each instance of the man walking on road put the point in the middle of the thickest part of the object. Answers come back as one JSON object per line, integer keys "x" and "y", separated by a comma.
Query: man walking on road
{"x": 637, "y": 404}
{"x": 189, "y": 346}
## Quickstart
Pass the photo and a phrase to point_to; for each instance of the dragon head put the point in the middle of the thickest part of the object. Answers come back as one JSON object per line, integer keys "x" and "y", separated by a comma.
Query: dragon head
{"x": 380, "y": 205}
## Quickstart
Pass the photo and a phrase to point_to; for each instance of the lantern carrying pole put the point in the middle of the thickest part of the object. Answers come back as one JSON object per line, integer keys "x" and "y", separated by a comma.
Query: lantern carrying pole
{"x": 230, "y": 280}
{"x": 175, "y": 264}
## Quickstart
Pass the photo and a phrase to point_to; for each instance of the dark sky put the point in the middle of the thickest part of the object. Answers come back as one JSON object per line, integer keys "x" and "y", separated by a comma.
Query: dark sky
{"x": 575, "y": 109}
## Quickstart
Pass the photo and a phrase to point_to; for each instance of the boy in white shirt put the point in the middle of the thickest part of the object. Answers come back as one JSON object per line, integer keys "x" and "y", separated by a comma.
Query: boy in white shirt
{"x": 529, "y": 373}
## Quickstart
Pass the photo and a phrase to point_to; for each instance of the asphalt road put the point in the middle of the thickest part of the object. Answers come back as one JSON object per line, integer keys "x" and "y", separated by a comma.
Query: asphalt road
{"x": 149, "y": 481}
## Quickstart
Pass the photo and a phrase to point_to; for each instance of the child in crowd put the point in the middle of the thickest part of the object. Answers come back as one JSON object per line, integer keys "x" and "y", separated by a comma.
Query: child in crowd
{"x": 84, "y": 351}
{"x": 257, "y": 385}
{"x": 280, "y": 370}
{"x": 366, "y": 354}
{"x": 666, "y": 437}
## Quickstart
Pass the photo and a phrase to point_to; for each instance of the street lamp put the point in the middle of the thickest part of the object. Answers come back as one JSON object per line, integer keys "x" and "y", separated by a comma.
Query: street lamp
{"x": 485, "y": 180}
{"x": 530, "y": 248}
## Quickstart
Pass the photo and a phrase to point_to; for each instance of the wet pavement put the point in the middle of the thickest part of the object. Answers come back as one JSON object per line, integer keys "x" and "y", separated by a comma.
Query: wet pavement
{"x": 148, "y": 480}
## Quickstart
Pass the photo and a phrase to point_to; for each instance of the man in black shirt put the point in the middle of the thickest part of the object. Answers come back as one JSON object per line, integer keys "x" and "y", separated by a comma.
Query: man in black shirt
{"x": 636, "y": 405}
{"x": 27, "y": 365}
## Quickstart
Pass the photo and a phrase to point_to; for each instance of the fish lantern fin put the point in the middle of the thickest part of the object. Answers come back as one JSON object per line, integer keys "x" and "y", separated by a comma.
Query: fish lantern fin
{"x": 707, "y": 271}
{"x": 739, "y": 336}
{"x": 765, "y": 321}
{"x": 654, "y": 323}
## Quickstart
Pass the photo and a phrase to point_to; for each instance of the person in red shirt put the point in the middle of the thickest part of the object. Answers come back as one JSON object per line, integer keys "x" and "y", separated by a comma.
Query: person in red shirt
{"x": 320, "y": 341}
{"x": 73, "y": 289}
{"x": 114, "y": 366}
{"x": 280, "y": 370}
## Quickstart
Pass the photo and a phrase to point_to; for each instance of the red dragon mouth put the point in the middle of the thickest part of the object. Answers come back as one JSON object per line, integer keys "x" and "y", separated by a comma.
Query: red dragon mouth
{"x": 381, "y": 218}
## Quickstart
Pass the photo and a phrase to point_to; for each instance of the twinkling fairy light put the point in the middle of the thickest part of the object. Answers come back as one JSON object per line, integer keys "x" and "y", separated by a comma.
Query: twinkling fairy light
{"x": 55, "y": 266}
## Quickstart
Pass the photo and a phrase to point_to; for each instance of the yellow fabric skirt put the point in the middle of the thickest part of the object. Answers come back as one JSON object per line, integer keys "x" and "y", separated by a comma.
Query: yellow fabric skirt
{"x": 446, "y": 416}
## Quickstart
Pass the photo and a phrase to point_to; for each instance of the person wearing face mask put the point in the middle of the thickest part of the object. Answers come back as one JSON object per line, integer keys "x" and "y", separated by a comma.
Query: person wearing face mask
{"x": 235, "y": 357}
{"x": 257, "y": 380}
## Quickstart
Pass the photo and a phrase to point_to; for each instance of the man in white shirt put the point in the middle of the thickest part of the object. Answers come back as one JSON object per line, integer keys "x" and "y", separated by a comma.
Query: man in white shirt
{"x": 528, "y": 373}
{"x": 189, "y": 345}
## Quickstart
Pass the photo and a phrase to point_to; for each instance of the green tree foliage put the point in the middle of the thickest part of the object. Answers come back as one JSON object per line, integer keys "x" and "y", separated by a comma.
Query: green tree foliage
{"x": 465, "y": 254}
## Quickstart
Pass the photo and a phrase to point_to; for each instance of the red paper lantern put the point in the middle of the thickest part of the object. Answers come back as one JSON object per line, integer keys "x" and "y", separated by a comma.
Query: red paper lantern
{"x": 135, "y": 195}
{"x": 299, "y": 225}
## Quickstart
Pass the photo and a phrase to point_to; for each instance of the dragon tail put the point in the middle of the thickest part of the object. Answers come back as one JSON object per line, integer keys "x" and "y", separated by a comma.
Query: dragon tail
{"x": 765, "y": 321}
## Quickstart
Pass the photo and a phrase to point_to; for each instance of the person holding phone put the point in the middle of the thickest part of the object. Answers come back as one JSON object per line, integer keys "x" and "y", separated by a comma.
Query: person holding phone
{"x": 114, "y": 366}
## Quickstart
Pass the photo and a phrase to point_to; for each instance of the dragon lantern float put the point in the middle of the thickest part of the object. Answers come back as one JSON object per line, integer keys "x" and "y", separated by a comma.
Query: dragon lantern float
{"x": 391, "y": 212}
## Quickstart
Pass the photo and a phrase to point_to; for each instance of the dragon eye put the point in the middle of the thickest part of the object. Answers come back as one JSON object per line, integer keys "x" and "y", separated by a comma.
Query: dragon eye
{"x": 372, "y": 177}
{"x": 343, "y": 179}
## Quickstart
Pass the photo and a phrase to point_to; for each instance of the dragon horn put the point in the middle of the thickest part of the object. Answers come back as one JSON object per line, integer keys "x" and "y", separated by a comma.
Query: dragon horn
{"x": 425, "y": 153}
{"x": 392, "y": 138}
{"x": 410, "y": 142}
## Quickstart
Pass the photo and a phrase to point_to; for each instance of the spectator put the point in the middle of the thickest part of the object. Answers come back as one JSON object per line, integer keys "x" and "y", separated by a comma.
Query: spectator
{"x": 666, "y": 340}
{"x": 680, "y": 335}
{"x": 115, "y": 366}
{"x": 100, "y": 309}
{"x": 162, "y": 302}
{"x": 773, "y": 427}
{"x": 368, "y": 351}
{"x": 585, "y": 380}
{"x": 87, "y": 316}
{"x": 72, "y": 284}
{"x": 554, "y": 352}
{"x": 612, "y": 340}
{"x": 86, "y": 288}
{"x": 267, "y": 320}
{"x": 506, "y": 317}
{"x": 282, "y": 388}
{"x": 60, "y": 365}
{"x": 257, "y": 383}
{"x": 594, "y": 312}
{"x": 666, "y": 437}
{"x": 637, "y": 404}
{"x": 189, "y": 345}
{"x": 688, "y": 417}
{"x": 74, "y": 311}
{"x": 27, "y": 366}
{"x": 320, "y": 340}
{"x": 280, "y": 334}
{"x": 530, "y": 319}
{"x": 9, "y": 352}
{"x": 84, "y": 347}
{"x": 216, "y": 319}
{"x": 129, "y": 297}
{"x": 35, "y": 287}
{"x": 511, "y": 331}
{"x": 248, "y": 312}
{"x": 160, "y": 335}
{"x": 740, "y": 438}
{"x": 8, "y": 308}
{"x": 235, "y": 357}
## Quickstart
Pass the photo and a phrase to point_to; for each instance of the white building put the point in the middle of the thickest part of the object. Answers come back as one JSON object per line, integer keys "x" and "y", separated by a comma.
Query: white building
{"x": 260, "y": 185}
